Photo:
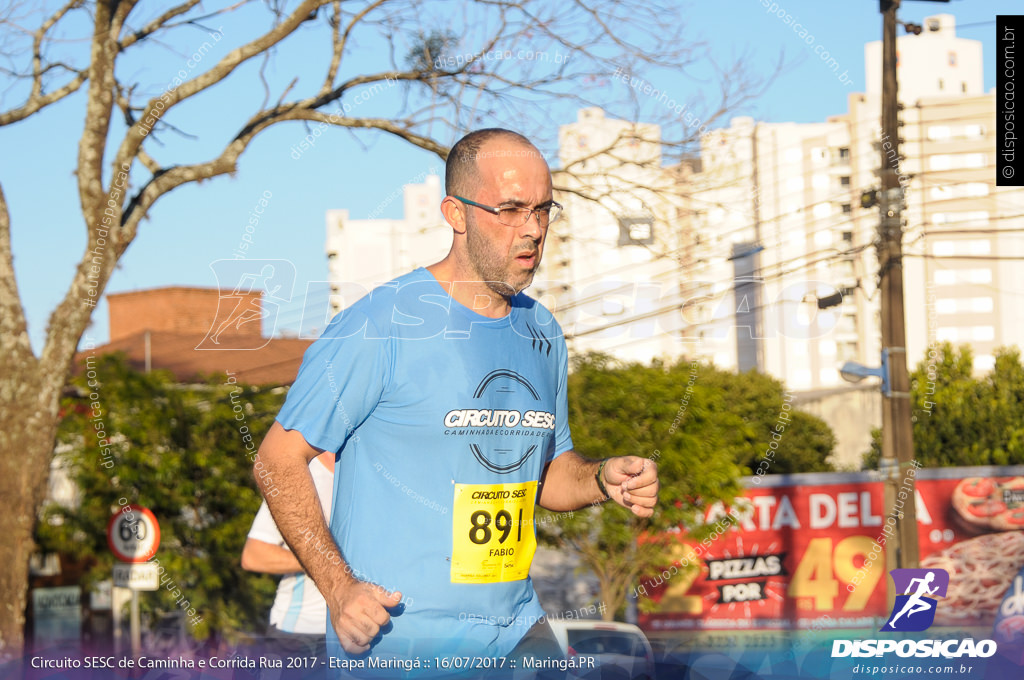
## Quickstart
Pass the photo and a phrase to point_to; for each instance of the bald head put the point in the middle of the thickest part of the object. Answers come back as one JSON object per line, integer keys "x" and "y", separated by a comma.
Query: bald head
{"x": 461, "y": 175}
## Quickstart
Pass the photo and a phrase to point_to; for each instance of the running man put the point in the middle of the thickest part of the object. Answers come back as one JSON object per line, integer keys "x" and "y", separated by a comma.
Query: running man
{"x": 444, "y": 391}
{"x": 247, "y": 308}
{"x": 914, "y": 603}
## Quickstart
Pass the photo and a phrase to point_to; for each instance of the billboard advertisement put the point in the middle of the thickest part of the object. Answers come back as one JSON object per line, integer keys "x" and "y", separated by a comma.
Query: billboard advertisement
{"x": 808, "y": 551}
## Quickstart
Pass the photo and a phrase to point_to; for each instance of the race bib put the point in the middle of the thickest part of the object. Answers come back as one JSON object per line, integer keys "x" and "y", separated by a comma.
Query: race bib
{"x": 492, "y": 532}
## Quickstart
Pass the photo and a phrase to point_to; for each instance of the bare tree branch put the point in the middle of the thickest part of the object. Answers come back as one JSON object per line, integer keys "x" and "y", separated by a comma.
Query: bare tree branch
{"x": 37, "y": 43}
{"x": 158, "y": 105}
{"x": 156, "y": 24}
{"x": 338, "y": 48}
{"x": 35, "y": 104}
{"x": 37, "y": 100}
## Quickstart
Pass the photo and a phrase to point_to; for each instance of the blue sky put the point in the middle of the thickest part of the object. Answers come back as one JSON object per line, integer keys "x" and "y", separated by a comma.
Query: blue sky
{"x": 198, "y": 224}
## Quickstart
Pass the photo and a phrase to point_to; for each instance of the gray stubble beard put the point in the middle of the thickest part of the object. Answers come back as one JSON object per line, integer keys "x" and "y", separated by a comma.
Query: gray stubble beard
{"x": 493, "y": 272}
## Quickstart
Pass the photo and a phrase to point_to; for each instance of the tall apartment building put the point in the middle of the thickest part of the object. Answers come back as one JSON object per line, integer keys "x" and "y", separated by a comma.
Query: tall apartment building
{"x": 783, "y": 200}
{"x": 364, "y": 253}
{"x": 773, "y": 217}
{"x": 611, "y": 270}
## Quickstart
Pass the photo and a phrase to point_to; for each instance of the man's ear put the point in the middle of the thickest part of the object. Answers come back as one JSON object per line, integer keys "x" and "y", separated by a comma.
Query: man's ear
{"x": 454, "y": 213}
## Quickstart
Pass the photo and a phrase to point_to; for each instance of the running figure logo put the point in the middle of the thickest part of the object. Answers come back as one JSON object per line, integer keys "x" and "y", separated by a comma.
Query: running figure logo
{"x": 914, "y": 610}
{"x": 251, "y": 293}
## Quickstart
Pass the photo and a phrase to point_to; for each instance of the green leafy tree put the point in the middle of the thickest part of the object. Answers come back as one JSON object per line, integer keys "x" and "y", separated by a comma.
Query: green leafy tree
{"x": 181, "y": 452}
{"x": 752, "y": 406}
{"x": 704, "y": 427}
{"x": 960, "y": 419}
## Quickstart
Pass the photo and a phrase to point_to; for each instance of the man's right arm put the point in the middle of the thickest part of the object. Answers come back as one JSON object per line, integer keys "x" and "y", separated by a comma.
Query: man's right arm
{"x": 358, "y": 609}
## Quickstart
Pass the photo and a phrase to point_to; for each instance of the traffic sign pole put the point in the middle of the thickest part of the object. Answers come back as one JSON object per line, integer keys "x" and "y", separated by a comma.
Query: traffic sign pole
{"x": 133, "y": 535}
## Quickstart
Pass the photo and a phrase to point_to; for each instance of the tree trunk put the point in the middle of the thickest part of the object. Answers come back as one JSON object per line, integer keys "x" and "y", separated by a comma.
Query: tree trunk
{"x": 29, "y": 402}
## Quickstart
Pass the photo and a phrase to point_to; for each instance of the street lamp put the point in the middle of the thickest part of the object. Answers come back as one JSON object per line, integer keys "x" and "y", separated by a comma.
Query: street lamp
{"x": 854, "y": 372}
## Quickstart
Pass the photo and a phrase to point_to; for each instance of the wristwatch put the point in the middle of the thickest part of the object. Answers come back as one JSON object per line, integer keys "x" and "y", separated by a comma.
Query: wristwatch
{"x": 600, "y": 482}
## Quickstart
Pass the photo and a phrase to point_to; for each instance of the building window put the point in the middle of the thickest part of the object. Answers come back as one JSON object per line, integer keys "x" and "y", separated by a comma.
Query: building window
{"x": 983, "y": 333}
{"x": 974, "y": 160}
{"x": 984, "y": 362}
{"x": 844, "y": 181}
{"x": 847, "y": 351}
{"x": 847, "y": 208}
{"x": 979, "y": 276}
{"x": 848, "y": 237}
{"x": 979, "y": 247}
{"x": 974, "y": 217}
{"x": 981, "y": 305}
{"x": 962, "y": 160}
{"x": 635, "y": 231}
{"x": 844, "y": 153}
{"x": 942, "y": 85}
{"x": 952, "y": 277}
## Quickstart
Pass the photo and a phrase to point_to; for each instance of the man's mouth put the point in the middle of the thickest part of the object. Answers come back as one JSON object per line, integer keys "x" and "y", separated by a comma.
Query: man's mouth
{"x": 528, "y": 258}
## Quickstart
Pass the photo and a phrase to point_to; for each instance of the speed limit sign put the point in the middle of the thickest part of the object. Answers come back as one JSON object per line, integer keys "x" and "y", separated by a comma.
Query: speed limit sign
{"x": 133, "y": 534}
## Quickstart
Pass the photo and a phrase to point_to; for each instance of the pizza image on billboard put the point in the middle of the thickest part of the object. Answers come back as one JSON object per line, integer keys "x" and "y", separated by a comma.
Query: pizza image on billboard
{"x": 990, "y": 503}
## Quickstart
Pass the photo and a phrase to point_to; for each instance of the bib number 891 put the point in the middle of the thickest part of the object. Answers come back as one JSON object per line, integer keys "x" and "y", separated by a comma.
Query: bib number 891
{"x": 480, "y": 532}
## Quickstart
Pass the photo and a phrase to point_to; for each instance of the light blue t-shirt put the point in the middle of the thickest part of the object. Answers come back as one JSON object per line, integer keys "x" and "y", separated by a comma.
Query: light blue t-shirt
{"x": 444, "y": 420}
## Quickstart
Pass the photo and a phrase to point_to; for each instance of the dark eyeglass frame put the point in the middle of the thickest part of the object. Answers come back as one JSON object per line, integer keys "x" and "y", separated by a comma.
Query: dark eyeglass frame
{"x": 540, "y": 211}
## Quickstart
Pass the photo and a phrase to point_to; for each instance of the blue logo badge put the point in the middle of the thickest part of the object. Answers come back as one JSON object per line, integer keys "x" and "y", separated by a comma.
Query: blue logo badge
{"x": 914, "y": 610}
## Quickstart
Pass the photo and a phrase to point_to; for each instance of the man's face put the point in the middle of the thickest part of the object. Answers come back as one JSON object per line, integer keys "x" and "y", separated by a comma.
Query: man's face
{"x": 511, "y": 175}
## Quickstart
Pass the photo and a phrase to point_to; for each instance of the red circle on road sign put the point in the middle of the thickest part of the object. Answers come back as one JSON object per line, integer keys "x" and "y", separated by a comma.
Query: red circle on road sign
{"x": 133, "y": 534}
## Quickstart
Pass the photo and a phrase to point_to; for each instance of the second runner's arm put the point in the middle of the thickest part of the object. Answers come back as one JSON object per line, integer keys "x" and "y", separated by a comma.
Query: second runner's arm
{"x": 358, "y": 609}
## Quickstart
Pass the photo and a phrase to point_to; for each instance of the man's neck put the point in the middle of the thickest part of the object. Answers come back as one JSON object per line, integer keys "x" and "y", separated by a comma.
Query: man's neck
{"x": 469, "y": 291}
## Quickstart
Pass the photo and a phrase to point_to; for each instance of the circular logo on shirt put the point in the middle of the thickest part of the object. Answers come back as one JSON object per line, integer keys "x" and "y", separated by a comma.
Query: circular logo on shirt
{"x": 502, "y": 428}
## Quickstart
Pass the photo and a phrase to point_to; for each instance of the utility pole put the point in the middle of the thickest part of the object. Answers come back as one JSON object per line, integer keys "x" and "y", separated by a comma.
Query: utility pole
{"x": 897, "y": 432}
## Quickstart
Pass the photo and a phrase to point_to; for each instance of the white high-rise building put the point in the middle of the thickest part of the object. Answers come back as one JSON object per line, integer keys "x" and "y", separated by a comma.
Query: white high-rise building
{"x": 786, "y": 248}
{"x": 773, "y": 214}
{"x": 362, "y": 254}
{"x": 611, "y": 268}
{"x": 935, "y": 63}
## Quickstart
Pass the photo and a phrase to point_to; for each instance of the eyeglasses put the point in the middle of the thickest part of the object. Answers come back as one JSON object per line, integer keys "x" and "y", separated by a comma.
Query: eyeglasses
{"x": 517, "y": 217}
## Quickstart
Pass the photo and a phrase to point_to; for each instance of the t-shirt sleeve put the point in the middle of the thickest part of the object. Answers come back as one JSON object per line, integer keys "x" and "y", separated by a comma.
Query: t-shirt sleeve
{"x": 264, "y": 528}
{"x": 341, "y": 380}
{"x": 563, "y": 439}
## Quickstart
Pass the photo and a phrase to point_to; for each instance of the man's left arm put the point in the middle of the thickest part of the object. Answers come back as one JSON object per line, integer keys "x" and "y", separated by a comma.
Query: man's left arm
{"x": 569, "y": 482}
